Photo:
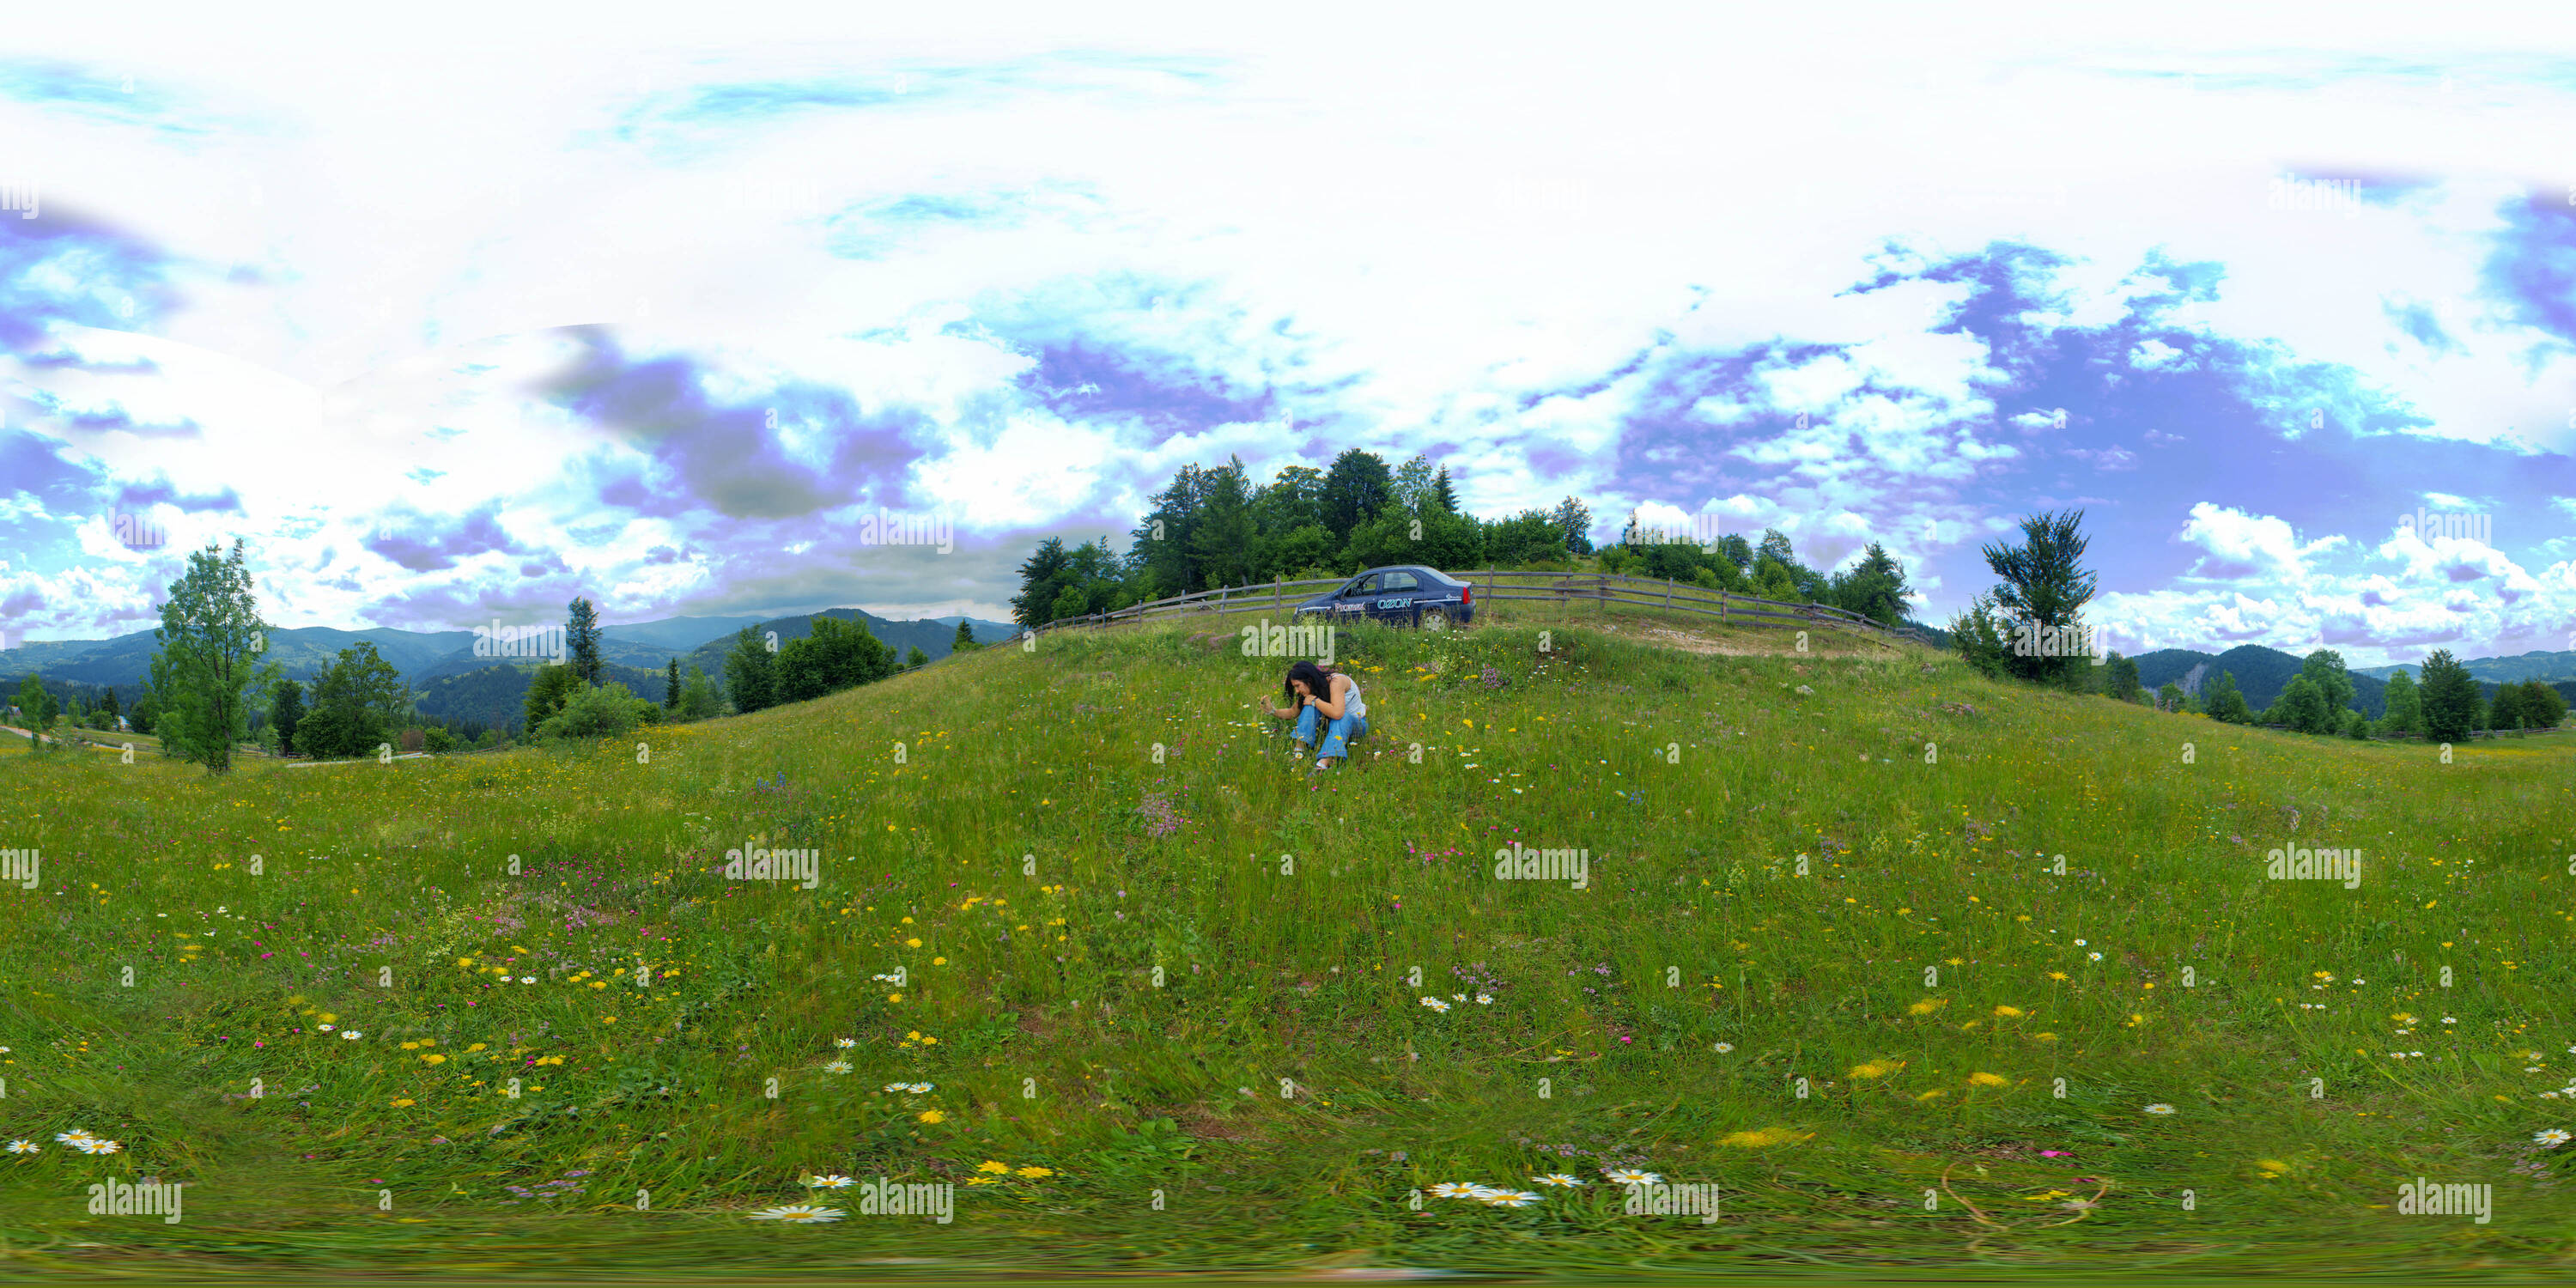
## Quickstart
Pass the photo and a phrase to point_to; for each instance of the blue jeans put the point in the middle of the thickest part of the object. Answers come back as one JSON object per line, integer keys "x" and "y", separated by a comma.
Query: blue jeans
{"x": 1336, "y": 737}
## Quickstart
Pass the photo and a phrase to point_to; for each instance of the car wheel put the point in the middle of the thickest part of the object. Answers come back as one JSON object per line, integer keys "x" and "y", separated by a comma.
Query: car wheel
{"x": 1434, "y": 619}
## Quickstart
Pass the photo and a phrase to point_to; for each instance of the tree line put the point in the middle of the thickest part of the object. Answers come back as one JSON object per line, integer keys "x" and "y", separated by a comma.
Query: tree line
{"x": 1213, "y": 528}
{"x": 2040, "y": 595}
{"x": 211, "y": 692}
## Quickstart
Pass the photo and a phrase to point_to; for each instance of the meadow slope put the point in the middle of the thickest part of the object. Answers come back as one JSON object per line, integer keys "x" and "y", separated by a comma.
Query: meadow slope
{"x": 1161, "y": 982}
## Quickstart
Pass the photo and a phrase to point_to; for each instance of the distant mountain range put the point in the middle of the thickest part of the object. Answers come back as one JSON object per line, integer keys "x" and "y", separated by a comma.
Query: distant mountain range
{"x": 452, "y": 682}
{"x": 2261, "y": 673}
{"x": 2495, "y": 670}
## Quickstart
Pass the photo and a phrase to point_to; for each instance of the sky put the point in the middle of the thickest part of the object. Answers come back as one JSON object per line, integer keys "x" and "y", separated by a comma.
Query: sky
{"x": 455, "y": 316}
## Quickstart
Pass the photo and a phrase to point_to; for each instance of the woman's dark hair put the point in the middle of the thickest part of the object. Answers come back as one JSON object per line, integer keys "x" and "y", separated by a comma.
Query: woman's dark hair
{"x": 1313, "y": 675}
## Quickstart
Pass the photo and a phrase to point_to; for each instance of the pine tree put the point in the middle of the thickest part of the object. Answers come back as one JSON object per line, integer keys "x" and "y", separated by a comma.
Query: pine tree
{"x": 581, "y": 640}
{"x": 965, "y": 641}
{"x": 1442, "y": 494}
{"x": 2045, "y": 585}
{"x": 286, "y": 712}
{"x": 671, "y": 686}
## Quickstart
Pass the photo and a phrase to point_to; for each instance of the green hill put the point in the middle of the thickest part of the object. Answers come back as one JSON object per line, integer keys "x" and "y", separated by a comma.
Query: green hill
{"x": 1089, "y": 946}
{"x": 2261, "y": 673}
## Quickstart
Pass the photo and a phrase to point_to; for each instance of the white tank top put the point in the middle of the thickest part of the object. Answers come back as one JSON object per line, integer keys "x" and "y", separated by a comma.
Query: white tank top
{"x": 1356, "y": 705}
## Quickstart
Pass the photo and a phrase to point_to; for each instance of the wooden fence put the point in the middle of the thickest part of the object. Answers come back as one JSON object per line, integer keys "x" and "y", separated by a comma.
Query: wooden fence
{"x": 1571, "y": 589}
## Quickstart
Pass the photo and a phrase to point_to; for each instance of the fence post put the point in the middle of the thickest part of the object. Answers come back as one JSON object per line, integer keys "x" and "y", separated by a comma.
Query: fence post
{"x": 1668, "y": 593}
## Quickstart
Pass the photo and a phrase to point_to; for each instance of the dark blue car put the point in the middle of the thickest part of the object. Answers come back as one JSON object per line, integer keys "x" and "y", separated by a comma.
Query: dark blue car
{"x": 1405, "y": 593}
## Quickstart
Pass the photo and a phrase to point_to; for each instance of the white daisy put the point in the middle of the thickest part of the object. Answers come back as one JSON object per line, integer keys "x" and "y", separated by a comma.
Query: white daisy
{"x": 1484, "y": 999}
{"x": 1559, "y": 1179}
{"x": 25, "y": 1147}
{"x": 1510, "y": 1198}
{"x": 1631, "y": 1176}
{"x": 1724, "y": 1047}
{"x": 845, "y": 1042}
{"x": 799, "y": 1214}
{"x": 832, "y": 1182}
{"x": 1454, "y": 1190}
{"x": 898, "y": 1086}
{"x": 2551, "y": 1138}
{"x": 2160, "y": 1110}
{"x": 1485, "y": 1191}
{"x": 325, "y": 1027}
{"x": 837, "y": 1066}
{"x": 920, "y": 1088}
{"x": 2095, "y": 956}
{"x": 73, "y": 1137}
{"x": 350, "y": 1035}
{"x": 1436, "y": 1004}
{"x": 527, "y": 979}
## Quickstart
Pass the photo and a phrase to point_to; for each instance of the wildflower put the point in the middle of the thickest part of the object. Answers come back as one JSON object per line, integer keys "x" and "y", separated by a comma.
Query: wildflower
{"x": 1034, "y": 1173}
{"x": 993, "y": 1167}
{"x": 2095, "y": 956}
{"x": 76, "y": 1138}
{"x": 25, "y": 1147}
{"x": 2160, "y": 1110}
{"x": 324, "y": 1027}
{"x": 1454, "y": 1190}
{"x": 833, "y": 1182}
{"x": 1724, "y": 1047}
{"x": 2551, "y": 1138}
{"x": 933, "y": 1116}
{"x": 96, "y": 1146}
{"x": 1484, "y": 999}
{"x": 798, "y": 1214}
{"x": 1510, "y": 1198}
{"x": 1873, "y": 1069}
{"x": 1989, "y": 1080}
{"x": 527, "y": 979}
{"x": 2057, "y": 1153}
{"x": 1631, "y": 1176}
{"x": 845, "y": 1042}
{"x": 1436, "y": 1004}
{"x": 1558, "y": 1179}
{"x": 2008, "y": 1012}
{"x": 837, "y": 1066}
{"x": 351, "y": 1035}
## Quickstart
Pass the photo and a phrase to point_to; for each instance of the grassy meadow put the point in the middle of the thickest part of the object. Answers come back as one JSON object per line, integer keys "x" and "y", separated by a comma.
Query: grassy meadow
{"x": 1825, "y": 957}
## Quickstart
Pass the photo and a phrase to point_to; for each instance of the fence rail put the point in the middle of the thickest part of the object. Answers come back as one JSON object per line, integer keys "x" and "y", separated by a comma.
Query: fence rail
{"x": 1493, "y": 585}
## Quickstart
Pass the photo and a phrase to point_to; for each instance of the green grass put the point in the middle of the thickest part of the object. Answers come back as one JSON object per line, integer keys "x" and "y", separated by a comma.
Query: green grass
{"x": 1695, "y": 782}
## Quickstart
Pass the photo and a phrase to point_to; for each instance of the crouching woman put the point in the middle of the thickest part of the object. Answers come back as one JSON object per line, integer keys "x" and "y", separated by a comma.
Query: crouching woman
{"x": 1318, "y": 696}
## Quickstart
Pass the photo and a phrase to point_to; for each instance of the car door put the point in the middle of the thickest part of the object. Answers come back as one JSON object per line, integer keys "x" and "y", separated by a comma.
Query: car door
{"x": 1355, "y": 597}
{"x": 1396, "y": 592}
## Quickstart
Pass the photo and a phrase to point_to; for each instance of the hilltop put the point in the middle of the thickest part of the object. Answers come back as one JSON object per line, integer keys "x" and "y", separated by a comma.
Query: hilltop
{"x": 1083, "y": 936}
